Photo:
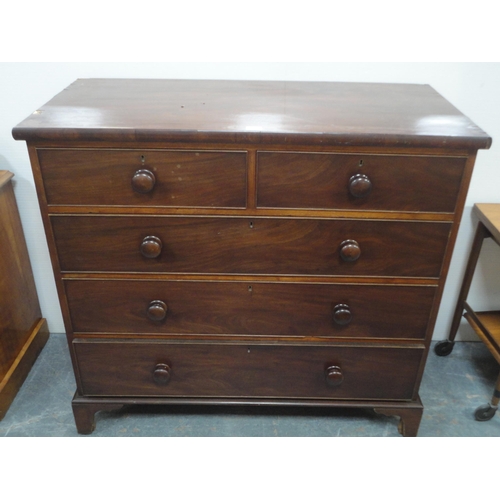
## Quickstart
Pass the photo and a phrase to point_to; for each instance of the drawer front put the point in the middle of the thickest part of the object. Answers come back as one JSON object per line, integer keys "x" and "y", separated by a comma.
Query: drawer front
{"x": 245, "y": 371}
{"x": 255, "y": 246}
{"x": 144, "y": 177}
{"x": 242, "y": 308}
{"x": 353, "y": 181}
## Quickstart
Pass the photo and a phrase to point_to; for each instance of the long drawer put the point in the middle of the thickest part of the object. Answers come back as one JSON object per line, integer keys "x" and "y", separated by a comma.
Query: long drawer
{"x": 357, "y": 181}
{"x": 118, "y": 368}
{"x": 108, "y": 177}
{"x": 243, "y": 308}
{"x": 256, "y": 246}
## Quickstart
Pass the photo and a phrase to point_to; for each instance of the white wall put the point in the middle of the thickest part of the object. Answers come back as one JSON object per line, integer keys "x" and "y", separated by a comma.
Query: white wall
{"x": 474, "y": 88}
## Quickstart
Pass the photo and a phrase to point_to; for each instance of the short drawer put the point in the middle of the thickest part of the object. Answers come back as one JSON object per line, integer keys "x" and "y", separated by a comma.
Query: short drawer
{"x": 354, "y": 181}
{"x": 141, "y": 307}
{"x": 118, "y": 368}
{"x": 108, "y": 177}
{"x": 213, "y": 245}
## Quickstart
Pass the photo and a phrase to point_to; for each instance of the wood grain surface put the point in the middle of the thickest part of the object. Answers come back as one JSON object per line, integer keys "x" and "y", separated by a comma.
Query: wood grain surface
{"x": 203, "y": 370}
{"x": 249, "y": 308}
{"x": 250, "y": 246}
{"x": 314, "y": 113}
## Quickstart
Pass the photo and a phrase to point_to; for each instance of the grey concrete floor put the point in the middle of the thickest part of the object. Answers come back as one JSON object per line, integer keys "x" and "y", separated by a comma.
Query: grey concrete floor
{"x": 452, "y": 388}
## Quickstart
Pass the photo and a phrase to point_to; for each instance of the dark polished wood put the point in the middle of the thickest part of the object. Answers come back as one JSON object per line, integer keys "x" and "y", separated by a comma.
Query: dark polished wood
{"x": 342, "y": 314}
{"x": 143, "y": 181}
{"x": 334, "y": 376}
{"x": 249, "y": 308}
{"x": 161, "y": 374}
{"x": 151, "y": 247}
{"x": 211, "y": 369}
{"x": 360, "y": 185}
{"x": 257, "y": 112}
{"x": 23, "y": 331}
{"x": 350, "y": 251}
{"x": 157, "y": 310}
{"x": 86, "y": 407}
{"x": 107, "y": 177}
{"x": 409, "y": 418}
{"x": 357, "y": 181}
{"x": 84, "y": 413}
{"x": 257, "y": 246}
{"x": 226, "y": 242}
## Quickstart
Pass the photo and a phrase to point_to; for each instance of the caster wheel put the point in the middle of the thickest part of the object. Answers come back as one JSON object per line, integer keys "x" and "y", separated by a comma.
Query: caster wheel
{"x": 485, "y": 412}
{"x": 444, "y": 348}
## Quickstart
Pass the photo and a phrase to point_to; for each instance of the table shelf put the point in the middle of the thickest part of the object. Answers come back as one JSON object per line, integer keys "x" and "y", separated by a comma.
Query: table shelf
{"x": 486, "y": 324}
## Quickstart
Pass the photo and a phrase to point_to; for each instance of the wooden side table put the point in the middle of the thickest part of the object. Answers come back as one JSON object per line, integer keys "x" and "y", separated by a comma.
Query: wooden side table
{"x": 486, "y": 324}
{"x": 23, "y": 331}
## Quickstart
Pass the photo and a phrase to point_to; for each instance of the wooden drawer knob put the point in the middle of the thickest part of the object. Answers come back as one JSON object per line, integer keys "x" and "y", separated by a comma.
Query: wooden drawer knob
{"x": 360, "y": 185}
{"x": 143, "y": 181}
{"x": 151, "y": 247}
{"x": 157, "y": 310}
{"x": 342, "y": 314}
{"x": 161, "y": 374}
{"x": 333, "y": 376}
{"x": 349, "y": 250}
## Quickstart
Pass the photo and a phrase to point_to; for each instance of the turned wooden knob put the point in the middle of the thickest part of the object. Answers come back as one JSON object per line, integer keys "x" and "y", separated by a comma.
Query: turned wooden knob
{"x": 157, "y": 310}
{"x": 151, "y": 247}
{"x": 333, "y": 376}
{"x": 161, "y": 374}
{"x": 349, "y": 250}
{"x": 342, "y": 314}
{"x": 360, "y": 185}
{"x": 143, "y": 181}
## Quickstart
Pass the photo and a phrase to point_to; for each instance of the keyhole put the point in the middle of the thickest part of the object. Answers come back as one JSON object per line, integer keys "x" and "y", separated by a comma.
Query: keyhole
{"x": 251, "y": 224}
{"x": 360, "y": 163}
{"x": 250, "y": 288}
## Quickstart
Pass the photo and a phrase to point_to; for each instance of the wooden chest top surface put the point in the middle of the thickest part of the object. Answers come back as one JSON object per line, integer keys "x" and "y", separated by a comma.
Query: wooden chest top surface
{"x": 376, "y": 114}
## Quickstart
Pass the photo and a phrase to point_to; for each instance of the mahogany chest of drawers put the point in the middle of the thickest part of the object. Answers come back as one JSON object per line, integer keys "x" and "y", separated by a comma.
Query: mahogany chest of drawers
{"x": 231, "y": 242}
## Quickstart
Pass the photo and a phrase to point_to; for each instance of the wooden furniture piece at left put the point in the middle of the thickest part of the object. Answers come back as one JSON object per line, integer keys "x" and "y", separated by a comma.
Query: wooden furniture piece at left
{"x": 23, "y": 331}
